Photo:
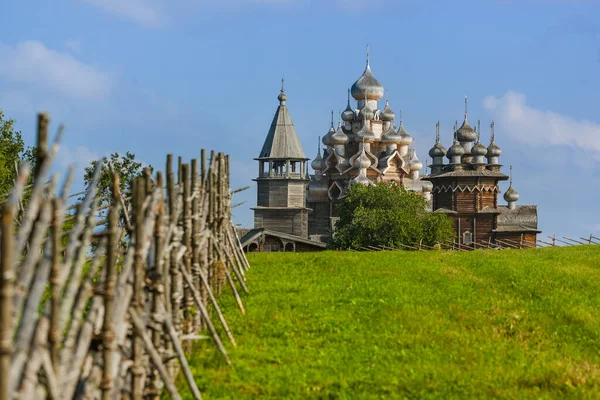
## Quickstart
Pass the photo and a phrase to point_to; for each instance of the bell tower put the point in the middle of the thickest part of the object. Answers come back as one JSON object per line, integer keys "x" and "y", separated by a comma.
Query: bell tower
{"x": 282, "y": 178}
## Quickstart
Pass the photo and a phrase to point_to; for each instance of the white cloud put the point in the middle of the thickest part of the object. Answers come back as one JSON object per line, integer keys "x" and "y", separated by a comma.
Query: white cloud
{"x": 145, "y": 12}
{"x": 532, "y": 126}
{"x": 31, "y": 62}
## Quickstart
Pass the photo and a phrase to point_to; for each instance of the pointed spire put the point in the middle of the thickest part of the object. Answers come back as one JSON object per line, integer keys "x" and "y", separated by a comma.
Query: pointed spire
{"x": 348, "y": 98}
{"x": 437, "y": 132}
{"x": 401, "y": 123}
{"x": 282, "y": 84}
{"x": 387, "y": 93}
{"x": 331, "y": 118}
{"x": 510, "y": 176}
{"x": 466, "y": 107}
{"x": 478, "y": 131}
{"x": 319, "y": 145}
{"x": 492, "y": 130}
{"x": 368, "y": 60}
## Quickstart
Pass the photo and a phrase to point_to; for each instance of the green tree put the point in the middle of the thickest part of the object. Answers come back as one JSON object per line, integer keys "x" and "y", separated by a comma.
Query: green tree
{"x": 125, "y": 166}
{"x": 387, "y": 215}
{"x": 12, "y": 152}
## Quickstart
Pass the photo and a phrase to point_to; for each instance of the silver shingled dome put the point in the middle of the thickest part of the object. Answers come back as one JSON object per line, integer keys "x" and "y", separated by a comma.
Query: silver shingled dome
{"x": 455, "y": 150}
{"x": 479, "y": 149}
{"x": 511, "y": 194}
{"x": 367, "y": 86}
{"x": 348, "y": 113}
{"x": 387, "y": 114}
{"x": 465, "y": 133}
{"x": 437, "y": 150}
{"x": 391, "y": 135}
{"x": 339, "y": 137}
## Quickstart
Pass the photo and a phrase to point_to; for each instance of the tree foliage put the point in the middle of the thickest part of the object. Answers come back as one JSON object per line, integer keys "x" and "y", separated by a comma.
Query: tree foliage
{"x": 387, "y": 215}
{"x": 125, "y": 166}
{"x": 128, "y": 170}
{"x": 12, "y": 153}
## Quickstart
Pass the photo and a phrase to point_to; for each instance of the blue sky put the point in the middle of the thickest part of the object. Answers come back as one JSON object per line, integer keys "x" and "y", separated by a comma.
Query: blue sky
{"x": 157, "y": 76}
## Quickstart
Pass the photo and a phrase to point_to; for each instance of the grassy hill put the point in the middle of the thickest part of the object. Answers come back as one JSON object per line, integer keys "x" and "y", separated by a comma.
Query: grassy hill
{"x": 495, "y": 324}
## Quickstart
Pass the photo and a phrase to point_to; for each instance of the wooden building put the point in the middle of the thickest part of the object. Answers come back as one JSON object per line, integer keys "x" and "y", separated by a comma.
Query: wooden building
{"x": 467, "y": 189}
{"x": 367, "y": 147}
{"x": 281, "y": 215}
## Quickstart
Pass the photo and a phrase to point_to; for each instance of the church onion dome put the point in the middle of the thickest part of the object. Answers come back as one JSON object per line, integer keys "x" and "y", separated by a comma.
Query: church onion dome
{"x": 391, "y": 135}
{"x": 465, "y": 133}
{"x": 387, "y": 114}
{"x": 317, "y": 163}
{"x": 339, "y": 137}
{"x": 282, "y": 96}
{"x": 479, "y": 149}
{"x": 437, "y": 150}
{"x": 415, "y": 164}
{"x": 511, "y": 194}
{"x": 367, "y": 86}
{"x": 455, "y": 150}
{"x": 365, "y": 133}
{"x": 493, "y": 150}
{"x": 405, "y": 138}
{"x": 348, "y": 114}
{"x": 362, "y": 161}
{"x": 329, "y": 135}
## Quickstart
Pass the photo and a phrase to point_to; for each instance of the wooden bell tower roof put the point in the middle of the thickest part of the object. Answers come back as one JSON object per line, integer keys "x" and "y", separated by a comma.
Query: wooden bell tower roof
{"x": 282, "y": 141}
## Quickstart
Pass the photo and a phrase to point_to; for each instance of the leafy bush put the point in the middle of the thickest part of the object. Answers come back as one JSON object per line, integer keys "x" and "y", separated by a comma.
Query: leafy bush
{"x": 387, "y": 215}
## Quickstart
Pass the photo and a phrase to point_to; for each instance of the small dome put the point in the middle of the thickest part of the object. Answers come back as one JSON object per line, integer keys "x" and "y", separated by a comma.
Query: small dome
{"x": 317, "y": 163}
{"x": 493, "y": 150}
{"x": 479, "y": 149}
{"x": 348, "y": 114}
{"x": 437, "y": 150}
{"x": 327, "y": 138}
{"x": 511, "y": 195}
{"x": 455, "y": 150}
{"x": 387, "y": 114}
{"x": 391, "y": 135}
{"x": 367, "y": 113}
{"x": 367, "y": 86}
{"x": 465, "y": 133}
{"x": 405, "y": 138}
{"x": 362, "y": 161}
{"x": 415, "y": 164}
{"x": 282, "y": 96}
{"x": 365, "y": 133}
{"x": 339, "y": 137}
{"x": 427, "y": 186}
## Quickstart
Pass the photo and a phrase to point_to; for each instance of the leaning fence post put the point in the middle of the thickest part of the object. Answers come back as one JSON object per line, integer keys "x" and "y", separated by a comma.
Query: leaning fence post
{"x": 108, "y": 331}
{"x": 42, "y": 141}
{"x": 7, "y": 277}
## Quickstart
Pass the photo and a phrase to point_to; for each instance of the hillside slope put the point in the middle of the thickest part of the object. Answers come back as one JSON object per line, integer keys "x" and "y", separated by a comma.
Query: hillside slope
{"x": 503, "y": 324}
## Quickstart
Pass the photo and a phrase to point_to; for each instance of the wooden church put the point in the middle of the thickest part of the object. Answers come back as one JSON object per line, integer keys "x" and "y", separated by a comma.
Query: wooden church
{"x": 297, "y": 211}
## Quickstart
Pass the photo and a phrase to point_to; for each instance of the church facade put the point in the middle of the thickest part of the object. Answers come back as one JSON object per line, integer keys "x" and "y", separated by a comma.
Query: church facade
{"x": 297, "y": 211}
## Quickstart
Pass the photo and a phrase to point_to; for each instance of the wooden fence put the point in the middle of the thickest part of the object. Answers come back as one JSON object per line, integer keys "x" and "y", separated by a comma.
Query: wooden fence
{"x": 499, "y": 244}
{"x": 115, "y": 323}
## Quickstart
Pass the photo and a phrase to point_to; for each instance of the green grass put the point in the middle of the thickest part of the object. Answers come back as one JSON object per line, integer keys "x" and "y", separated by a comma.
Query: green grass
{"x": 495, "y": 324}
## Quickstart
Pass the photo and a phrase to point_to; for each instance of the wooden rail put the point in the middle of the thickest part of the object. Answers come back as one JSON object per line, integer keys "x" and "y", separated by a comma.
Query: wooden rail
{"x": 114, "y": 325}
